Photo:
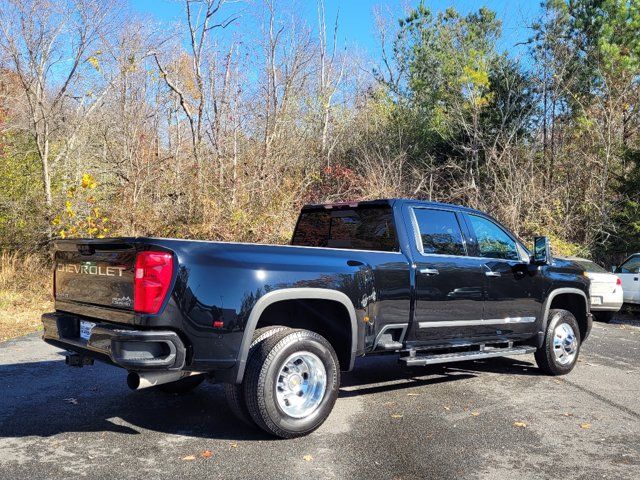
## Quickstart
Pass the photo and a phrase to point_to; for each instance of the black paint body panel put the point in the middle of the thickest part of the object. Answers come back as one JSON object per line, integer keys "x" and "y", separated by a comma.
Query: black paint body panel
{"x": 216, "y": 281}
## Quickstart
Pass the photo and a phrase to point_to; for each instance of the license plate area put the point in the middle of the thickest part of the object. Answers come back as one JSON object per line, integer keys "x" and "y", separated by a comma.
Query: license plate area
{"x": 596, "y": 300}
{"x": 85, "y": 329}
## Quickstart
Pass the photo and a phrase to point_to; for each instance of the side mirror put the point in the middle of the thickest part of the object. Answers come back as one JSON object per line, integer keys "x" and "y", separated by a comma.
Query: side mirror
{"x": 541, "y": 251}
{"x": 614, "y": 268}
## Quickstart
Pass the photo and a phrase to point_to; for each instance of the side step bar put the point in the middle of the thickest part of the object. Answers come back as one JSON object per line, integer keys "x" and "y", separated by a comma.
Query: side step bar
{"x": 420, "y": 360}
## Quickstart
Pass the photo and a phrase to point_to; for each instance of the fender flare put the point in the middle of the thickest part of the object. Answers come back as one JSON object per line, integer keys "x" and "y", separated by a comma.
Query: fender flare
{"x": 546, "y": 306}
{"x": 293, "y": 294}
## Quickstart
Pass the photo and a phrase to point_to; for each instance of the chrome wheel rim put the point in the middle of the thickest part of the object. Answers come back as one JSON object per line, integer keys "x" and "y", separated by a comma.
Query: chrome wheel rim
{"x": 301, "y": 384}
{"x": 565, "y": 344}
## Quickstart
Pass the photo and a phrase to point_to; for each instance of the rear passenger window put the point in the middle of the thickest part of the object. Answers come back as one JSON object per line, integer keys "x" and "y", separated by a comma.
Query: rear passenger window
{"x": 493, "y": 241}
{"x": 439, "y": 232}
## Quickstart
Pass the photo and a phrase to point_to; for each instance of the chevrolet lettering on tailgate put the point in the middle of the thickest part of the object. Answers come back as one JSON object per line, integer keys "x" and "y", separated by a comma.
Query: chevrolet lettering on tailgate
{"x": 91, "y": 269}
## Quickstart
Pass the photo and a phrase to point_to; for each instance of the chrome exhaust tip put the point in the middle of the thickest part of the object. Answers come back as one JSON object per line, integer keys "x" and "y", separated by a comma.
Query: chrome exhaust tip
{"x": 140, "y": 380}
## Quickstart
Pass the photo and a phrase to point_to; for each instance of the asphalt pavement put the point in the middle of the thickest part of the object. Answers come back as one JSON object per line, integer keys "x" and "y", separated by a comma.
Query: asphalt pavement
{"x": 494, "y": 419}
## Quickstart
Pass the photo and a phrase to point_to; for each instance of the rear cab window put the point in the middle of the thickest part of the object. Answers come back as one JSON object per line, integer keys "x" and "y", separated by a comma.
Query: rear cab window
{"x": 356, "y": 228}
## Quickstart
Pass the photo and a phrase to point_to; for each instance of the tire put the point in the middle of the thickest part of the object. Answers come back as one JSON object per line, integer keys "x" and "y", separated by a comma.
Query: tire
{"x": 234, "y": 393}
{"x": 291, "y": 383}
{"x": 559, "y": 352}
{"x": 604, "y": 317}
{"x": 182, "y": 386}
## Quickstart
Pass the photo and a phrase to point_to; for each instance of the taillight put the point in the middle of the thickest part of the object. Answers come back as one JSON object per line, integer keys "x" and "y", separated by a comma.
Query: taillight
{"x": 152, "y": 278}
{"x": 618, "y": 281}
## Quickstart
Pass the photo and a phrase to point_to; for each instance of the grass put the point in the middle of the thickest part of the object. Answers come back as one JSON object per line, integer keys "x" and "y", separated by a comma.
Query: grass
{"x": 25, "y": 293}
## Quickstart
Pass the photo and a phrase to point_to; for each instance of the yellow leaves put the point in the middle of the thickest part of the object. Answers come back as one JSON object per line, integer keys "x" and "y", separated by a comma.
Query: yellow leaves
{"x": 585, "y": 426}
{"x": 307, "y": 458}
{"x": 88, "y": 181}
{"x": 479, "y": 78}
{"x": 93, "y": 60}
{"x": 475, "y": 414}
{"x": 68, "y": 206}
{"x": 520, "y": 424}
{"x": 81, "y": 216}
{"x": 482, "y": 101}
{"x": 95, "y": 63}
{"x": 397, "y": 415}
{"x": 189, "y": 458}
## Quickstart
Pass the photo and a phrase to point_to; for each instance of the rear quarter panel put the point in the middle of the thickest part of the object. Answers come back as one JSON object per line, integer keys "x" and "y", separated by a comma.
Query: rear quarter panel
{"x": 223, "y": 281}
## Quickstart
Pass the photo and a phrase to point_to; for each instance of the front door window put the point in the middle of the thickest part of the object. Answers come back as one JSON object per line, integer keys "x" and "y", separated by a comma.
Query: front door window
{"x": 493, "y": 242}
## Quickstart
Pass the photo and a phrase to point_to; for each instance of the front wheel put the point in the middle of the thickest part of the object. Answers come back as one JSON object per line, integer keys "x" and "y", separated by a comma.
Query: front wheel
{"x": 559, "y": 352}
{"x": 291, "y": 383}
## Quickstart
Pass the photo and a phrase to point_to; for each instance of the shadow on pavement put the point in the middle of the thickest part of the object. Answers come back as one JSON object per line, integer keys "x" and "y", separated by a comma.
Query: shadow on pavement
{"x": 47, "y": 398}
{"x": 627, "y": 316}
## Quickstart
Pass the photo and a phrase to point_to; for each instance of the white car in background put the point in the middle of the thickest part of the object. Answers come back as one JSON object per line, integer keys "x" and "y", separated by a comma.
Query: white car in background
{"x": 606, "y": 290}
{"x": 629, "y": 273}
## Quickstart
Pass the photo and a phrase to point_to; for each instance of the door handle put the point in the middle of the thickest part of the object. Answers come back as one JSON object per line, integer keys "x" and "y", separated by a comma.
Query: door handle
{"x": 429, "y": 271}
{"x": 355, "y": 263}
{"x": 492, "y": 274}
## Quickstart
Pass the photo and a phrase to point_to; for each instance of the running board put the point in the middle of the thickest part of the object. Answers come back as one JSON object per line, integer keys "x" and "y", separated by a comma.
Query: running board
{"x": 420, "y": 360}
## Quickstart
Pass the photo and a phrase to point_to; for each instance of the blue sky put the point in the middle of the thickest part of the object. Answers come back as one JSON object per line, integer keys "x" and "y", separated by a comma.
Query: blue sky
{"x": 357, "y": 25}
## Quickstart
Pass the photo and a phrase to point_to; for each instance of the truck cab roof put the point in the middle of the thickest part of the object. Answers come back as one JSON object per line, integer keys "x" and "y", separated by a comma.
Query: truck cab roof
{"x": 386, "y": 202}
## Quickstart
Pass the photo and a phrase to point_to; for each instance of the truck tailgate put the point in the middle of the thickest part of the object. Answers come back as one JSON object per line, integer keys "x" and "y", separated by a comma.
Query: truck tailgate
{"x": 95, "y": 272}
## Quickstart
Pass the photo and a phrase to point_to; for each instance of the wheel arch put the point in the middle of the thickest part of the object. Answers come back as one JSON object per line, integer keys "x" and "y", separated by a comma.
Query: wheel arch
{"x": 289, "y": 295}
{"x": 572, "y": 299}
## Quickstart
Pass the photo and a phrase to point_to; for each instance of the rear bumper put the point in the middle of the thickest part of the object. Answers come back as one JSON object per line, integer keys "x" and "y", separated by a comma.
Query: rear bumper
{"x": 607, "y": 307}
{"x": 128, "y": 348}
{"x": 606, "y": 301}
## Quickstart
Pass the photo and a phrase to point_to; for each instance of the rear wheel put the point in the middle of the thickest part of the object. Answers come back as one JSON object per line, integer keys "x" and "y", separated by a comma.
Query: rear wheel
{"x": 291, "y": 383}
{"x": 559, "y": 352}
{"x": 184, "y": 385}
{"x": 605, "y": 317}
{"x": 234, "y": 393}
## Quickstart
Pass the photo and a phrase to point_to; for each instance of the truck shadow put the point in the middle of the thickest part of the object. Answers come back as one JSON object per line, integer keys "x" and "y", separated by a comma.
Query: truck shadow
{"x": 384, "y": 373}
{"x": 47, "y": 398}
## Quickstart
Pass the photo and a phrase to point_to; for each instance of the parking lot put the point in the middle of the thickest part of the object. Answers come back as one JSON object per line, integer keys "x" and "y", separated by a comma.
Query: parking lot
{"x": 492, "y": 419}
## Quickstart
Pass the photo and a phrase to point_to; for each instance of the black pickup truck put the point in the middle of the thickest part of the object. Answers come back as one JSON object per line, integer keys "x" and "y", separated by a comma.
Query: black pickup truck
{"x": 432, "y": 282}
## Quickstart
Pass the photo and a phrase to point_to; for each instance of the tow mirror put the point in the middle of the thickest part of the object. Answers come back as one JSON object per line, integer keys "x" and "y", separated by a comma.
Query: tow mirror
{"x": 541, "y": 251}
